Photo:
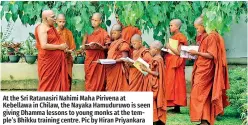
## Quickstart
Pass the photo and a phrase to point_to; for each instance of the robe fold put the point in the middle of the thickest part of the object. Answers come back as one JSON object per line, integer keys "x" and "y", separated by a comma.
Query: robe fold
{"x": 94, "y": 72}
{"x": 175, "y": 76}
{"x": 67, "y": 36}
{"x": 52, "y": 65}
{"x": 117, "y": 74}
{"x": 209, "y": 81}
{"x": 137, "y": 81}
{"x": 158, "y": 87}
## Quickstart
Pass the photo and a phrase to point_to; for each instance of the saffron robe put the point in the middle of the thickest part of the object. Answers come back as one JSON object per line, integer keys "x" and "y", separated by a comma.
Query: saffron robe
{"x": 209, "y": 81}
{"x": 117, "y": 74}
{"x": 52, "y": 65}
{"x": 94, "y": 72}
{"x": 175, "y": 76}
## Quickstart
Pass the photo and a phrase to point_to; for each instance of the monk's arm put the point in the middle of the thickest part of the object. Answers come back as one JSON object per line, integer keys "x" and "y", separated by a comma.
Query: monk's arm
{"x": 205, "y": 55}
{"x": 124, "y": 55}
{"x": 155, "y": 73}
{"x": 84, "y": 41}
{"x": 43, "y": 41}
{"x": 176, "y": 51}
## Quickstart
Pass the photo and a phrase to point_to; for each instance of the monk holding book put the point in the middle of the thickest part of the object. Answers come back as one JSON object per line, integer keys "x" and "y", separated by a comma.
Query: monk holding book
{"x": 117, "y": 74}
{"x": 209, "y": 77}
{"x": 136, "y": 78}
{"x": 94, "y": 72}
{"x": 156, "y": 83}
{"x": 175, "y": 65}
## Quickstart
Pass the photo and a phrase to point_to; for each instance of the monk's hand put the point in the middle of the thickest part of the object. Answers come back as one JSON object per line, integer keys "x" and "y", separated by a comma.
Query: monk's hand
{"x": 193, "y": 52}
{"x": 63, "y": 46}
{"x": 130, "y": 64}
{"x": 167, "y": 46}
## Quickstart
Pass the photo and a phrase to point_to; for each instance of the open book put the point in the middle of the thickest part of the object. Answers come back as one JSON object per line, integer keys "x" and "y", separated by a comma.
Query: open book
{"x": 93, "y": 45}
{"x": 184, "y": 51}
{"x": 137, "y": 64}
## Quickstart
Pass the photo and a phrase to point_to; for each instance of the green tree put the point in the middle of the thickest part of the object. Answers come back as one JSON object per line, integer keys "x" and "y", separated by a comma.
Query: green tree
{"x": 147, "y": 15}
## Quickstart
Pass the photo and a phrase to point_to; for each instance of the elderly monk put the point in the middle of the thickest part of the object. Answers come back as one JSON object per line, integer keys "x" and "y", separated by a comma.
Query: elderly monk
{"x": 175, "y": 75}
{"x": 128, "y": 32}
{"x": 66, "y": 35}
{"x": 52, "y": 65}
{"x": 209, "y": 78}
{"x": 94, "y": 72}
{"x": 156, "y": 83}
{"x": 136, "y": 78}
{"x": 117, "y": 74}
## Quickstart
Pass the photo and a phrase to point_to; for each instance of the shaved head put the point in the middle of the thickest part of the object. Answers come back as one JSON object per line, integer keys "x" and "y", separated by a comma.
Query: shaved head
{"x": 47, "y": 13}
{"x": 177, "y": 22}
{"x": 136, "y": 37}
{"x": 199, "y": 20}
{"x": 97, "y": 16}
{"x": 116, "y": 27}
{"x": 157, "y": 44}
{"x": 61, "y": 17}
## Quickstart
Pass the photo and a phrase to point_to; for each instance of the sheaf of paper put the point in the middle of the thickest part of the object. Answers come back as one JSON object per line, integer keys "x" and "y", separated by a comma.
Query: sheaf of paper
{"x": 165, "y": 50}
{"x": 96, "y": 45}
{"x": 138, "y": 64}
{"x": 174, "y": 44}
{"x": 184, "y": 51}
{"x": 127, "y": 59}
{"x": 107, "y": 61}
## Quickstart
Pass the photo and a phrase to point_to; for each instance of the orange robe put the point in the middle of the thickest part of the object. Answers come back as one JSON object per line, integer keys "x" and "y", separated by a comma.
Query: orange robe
{"x": 127, "y": 33}
{"x": 117, "y": 74}
{"x": 52, "y": 65}
{"x": 67, "y": 36}
{"x": 175, "y": 76}
{"x": 209, "y": 81}
{"x": 94, "y": 72}
{"x": 137, "y": 81}
{"x": 158, "y": 87}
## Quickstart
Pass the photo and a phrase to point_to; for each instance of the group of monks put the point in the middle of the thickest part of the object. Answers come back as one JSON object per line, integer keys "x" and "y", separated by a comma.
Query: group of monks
{"x": 166, "y": 74}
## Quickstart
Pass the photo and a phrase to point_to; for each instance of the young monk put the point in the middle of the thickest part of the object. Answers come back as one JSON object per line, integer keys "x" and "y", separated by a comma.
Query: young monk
{"x": 52, "y": 65}
{"x": 156, "y": 82}
{"x": 209, "y": 77}
{"x": 94, "y": 72}
{"x": 117, "y": 74}
{"x": 136, "y": 78}
{"x": 66, "y": 35}
{"x": 175, "y": 75}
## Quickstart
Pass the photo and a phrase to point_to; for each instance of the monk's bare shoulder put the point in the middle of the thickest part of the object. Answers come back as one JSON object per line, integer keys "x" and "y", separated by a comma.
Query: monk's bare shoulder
{"x": 42, "y": 29}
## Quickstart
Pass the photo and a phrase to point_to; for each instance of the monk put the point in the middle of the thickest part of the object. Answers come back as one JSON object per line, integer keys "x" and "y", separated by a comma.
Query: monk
{"x": 94, "y": 72}
{"x": 117, "y": 74}
{"x": 66, "y": 35}
{"x": 127, "y": 33}
{"x": 209, "y": 77}
{"x": 156, "y": 83}
{"x": 52, "y": 65}
{"x": 136, "y": 78}
{"x": 175, "y": 75}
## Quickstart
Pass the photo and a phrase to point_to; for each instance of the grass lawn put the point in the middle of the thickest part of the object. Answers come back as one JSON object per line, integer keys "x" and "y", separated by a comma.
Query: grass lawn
{"x": 183, "y": 118}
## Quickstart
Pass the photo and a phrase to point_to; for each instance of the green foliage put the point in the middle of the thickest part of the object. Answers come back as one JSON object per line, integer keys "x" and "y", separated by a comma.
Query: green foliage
{"x": 238, "y": 90}
{"x": 29, "y": 46}
{"x": 147, "y": 15}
